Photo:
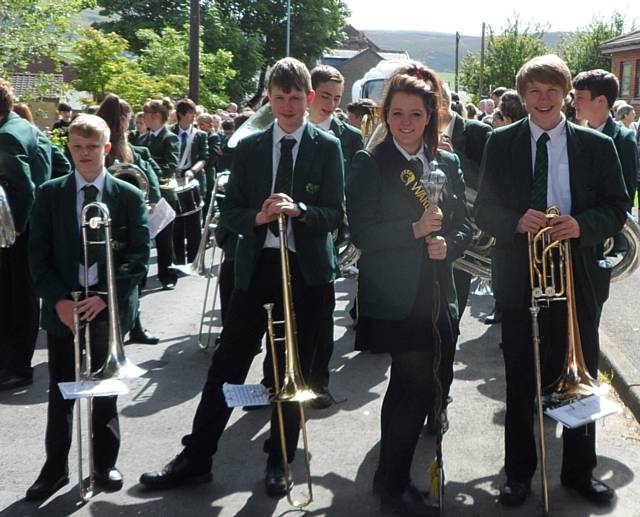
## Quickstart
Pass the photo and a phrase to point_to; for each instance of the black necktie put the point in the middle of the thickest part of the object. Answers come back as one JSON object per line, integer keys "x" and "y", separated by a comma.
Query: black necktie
{"x": 284, "y": 174}
{"x": 540, "y": 175}
{"x": 416, "y": 165}
{"x": 90, "y": 196}
{"x": 183, "y": 143}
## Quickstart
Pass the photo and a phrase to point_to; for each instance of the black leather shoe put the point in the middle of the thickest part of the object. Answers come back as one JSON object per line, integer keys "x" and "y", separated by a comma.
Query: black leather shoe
{"x": 275, "y": 481}
{"x": 514, "y": 493}
{"x": 141, "y": 335}
{"x": 181, "y": 470}
{"x": 44, "y": 487}
{"x": 592, "y": 490}
{"x": 109, "y": 479}
{"x": 410, "y": 502}
{"x": 323, "y": 400}
{"x": 494, "y": 317}
{"x": 13, "y": 381}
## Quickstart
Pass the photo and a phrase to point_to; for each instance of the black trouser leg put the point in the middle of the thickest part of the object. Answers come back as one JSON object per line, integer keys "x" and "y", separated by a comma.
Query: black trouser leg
{"x": 405, "y": 406}
{"x": 19, "y": 309}
{"x": 225, "y": 284}
{"x": 178, "y": 240}
{"x": 462, "y": 281}
{"x": 106, "y": 430}
{"x": 166, "y": 256}
{"x": 192, "y": 232}
{"x": 319, "y": 380}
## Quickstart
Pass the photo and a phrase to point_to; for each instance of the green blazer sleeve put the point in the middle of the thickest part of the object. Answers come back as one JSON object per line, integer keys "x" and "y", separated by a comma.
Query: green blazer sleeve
{"x": 200, "y": 147}
{"x": 142, "y": 158}
{"x": 624, "y": 140}
{"x": 60, "y": 166}
{"x": 15, "y": 177}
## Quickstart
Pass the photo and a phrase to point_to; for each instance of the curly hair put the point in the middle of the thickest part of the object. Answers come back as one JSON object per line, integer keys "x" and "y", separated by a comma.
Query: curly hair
{"x": 6, "y": 97}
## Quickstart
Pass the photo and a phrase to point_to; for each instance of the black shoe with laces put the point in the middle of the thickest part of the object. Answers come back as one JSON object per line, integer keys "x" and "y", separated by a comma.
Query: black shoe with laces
{"x": 181, "y": 470}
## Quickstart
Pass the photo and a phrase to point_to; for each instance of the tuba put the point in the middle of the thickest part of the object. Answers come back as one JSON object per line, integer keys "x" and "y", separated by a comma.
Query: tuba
{"x": 132, "y": 174}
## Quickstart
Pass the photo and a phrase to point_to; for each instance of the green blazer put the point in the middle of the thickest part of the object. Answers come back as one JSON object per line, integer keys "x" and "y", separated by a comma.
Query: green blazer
{"x": 318, "y": 181}
{"x": 469, "y": 138}
{"x": 55, "y": 249}
{"x": 599, "y": 201}
{"x": 624, "y": 140}
{"x": 164, "y": 149}
{"x": 142, "y": 158}
{"x": 199, "y": 145}
{"x": 350, "y": 140}
{"x": 25, "y": 165}
{"x": 381, "y": 210}
{"x": 214, "y": 139}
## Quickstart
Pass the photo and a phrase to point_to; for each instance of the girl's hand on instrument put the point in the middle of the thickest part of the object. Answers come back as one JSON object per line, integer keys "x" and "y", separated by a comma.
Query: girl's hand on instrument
{"x": 532, "y": 221}
{"x": 430, "y": 222}
{"x": 564, "y": 227}
{"x": 64, "y": 310}
{"x": 90, "y": 307}
{"x": 437, "y": 247}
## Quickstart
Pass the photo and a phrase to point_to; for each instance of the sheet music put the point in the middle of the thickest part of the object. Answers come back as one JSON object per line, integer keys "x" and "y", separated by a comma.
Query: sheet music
{"x": 85, "y": 389}
{"x": 577, "y": 412}
{"x": 160, "y": 217}
{"x": 245, "y": 395}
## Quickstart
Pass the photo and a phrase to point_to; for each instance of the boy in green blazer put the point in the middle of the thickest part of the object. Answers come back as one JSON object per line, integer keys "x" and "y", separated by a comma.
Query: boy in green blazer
{"x": 57, "y": 266}
{"x": 294, "y": 169}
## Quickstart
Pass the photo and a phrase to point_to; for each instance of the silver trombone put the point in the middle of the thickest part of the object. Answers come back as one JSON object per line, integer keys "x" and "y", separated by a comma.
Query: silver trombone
{"x": 116, "y": 365}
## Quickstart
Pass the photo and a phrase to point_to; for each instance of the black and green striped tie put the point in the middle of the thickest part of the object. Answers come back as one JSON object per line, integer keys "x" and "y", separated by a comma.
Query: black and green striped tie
{"x": 540, "y": 175}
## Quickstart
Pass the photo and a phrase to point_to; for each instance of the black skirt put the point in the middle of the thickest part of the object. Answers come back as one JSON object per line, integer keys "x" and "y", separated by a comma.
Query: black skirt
{"x": 416, "y": 330}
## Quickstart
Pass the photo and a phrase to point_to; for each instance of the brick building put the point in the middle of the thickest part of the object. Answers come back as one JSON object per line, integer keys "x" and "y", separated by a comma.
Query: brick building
{"x": 625, "y": 64}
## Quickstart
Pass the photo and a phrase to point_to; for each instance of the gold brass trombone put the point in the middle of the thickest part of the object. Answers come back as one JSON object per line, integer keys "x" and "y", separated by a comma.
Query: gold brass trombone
{"x": 116, "y": 365}
{"x": 293, "y": 387}
{"x": 551, "y": 277}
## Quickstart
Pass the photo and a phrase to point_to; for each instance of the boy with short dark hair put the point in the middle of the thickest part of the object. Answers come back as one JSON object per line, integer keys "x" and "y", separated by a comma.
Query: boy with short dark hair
{"x": 57, "y": 266}
{"x": 541, "y": 161}
{"x": 294, "y": 169}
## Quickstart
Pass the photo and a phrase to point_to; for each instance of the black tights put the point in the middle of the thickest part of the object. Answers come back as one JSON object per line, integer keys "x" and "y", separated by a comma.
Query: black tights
{"x": 408, "y": 400}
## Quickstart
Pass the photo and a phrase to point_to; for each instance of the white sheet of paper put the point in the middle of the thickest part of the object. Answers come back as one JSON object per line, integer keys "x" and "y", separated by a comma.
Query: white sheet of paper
{"x": 583, "y": 411}
{"x": 162, "y": 215}
{"x": 84, "y": 389}
{"x": 245, "y": 394}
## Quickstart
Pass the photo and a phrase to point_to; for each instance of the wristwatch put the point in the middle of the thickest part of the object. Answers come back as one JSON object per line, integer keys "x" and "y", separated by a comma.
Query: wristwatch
{"x": 303, "y": 210}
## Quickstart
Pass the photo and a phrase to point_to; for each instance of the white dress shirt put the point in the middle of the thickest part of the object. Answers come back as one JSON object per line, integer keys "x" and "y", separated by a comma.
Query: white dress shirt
{"x": 80, "y": 184}
{"x": 558, "y": 184}
{"x": 271, "y": 241}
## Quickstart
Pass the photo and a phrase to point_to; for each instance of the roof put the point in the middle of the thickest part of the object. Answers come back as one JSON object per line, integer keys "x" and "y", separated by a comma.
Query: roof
{"x": 26, "y": 83}
{"x": 393, "y": 54}
{"x": 629, "y": 41}
{"x": 337, "y": 57}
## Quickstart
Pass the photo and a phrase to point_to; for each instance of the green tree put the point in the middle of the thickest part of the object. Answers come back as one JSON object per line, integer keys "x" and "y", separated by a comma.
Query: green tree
{"x": 580, "y": 49}
{"x": 506, "y": 53}
{"x": 33, "y": 28}
{"x": 99, "y": 58}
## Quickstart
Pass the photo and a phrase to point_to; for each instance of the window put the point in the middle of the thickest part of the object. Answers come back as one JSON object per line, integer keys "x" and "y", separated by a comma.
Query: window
{"x": 625, "y": 79}
{"x": 637, "y": 78}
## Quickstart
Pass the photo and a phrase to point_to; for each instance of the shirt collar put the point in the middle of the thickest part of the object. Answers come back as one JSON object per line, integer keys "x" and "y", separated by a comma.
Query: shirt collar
{"x": 554, "y": 133}
{"x": 188, "y": 131}
{"x": 420, "y": 154}
{"x": 157, "y": 131}
{"x": 98, "y": 182}
{"x": 279, "y": 133}
{"x": 449, "y": 130}
{"x": 326, "y": 123}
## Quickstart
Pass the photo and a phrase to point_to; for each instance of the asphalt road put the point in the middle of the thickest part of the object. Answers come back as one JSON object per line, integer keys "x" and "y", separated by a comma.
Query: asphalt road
{"x": 344, "y": 439}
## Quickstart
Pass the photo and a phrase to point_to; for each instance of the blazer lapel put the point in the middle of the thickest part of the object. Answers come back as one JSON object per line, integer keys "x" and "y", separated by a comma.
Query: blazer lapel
{"x": 70, "y": 216}
{"x": 264, "y": 180}
{"x": 521, "y": 153}
{"x": 306, "y": 156}
{"x": 576, "y": 164}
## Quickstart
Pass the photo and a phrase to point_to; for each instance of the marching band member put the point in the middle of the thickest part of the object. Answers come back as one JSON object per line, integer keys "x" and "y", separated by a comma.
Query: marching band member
{"x": 56, "y": 261}
{"x": 328, "y": 84}
{"x": 540, "y": 161}
{"x": 25, "y": 163}
{"x": 164, "y": 148}
{"x": 408, "y": 248}
{"x": 295, "y": 169}
{"x": 194, "y": 155}
{"x": 116, "y": 112}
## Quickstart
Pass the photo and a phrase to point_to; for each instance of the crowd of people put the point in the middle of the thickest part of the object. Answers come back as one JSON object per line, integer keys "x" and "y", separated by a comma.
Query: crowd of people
{"x": 401, "y": 201}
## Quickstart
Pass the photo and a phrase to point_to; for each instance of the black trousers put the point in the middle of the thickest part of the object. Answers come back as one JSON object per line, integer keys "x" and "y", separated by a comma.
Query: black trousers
{"x": 245, "y": 323}
{"x": 226, "y": 282}
{"x": 579, "y": 455}
{"x": 462, "y": 281}
{"x": 166, "y": 255}
{"x": 19, "y": 309}
{"x": 187, "y": 228}
{"x": 106, "y": 429}
{"x": 319, "y": 379}
{"x": 408, "y": 399}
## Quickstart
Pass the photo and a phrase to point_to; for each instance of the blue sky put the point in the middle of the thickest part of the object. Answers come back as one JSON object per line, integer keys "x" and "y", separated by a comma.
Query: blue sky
{"x": 467, "y": 17}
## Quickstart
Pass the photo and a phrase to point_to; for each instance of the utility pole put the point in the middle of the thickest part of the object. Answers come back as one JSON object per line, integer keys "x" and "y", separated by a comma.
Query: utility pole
{"x": 482, "y": 62}
{"x": 457, "y": 60}
{"x": 288, "y": 47}
{"x": 194, "y": 51}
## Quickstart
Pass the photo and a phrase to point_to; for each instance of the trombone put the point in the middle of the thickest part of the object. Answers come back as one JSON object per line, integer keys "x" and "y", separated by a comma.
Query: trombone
{"x": 116, "y": 365}
{"x": 293, "y": 388}
{"x": 551, "y": 277}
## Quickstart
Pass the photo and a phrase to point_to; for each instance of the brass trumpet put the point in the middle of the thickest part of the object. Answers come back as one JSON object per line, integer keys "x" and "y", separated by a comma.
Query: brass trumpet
{"x": 293, "y": 387}
{"x": 551, "y": 277}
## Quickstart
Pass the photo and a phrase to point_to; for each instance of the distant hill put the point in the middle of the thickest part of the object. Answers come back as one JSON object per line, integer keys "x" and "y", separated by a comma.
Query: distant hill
{"x": 436, "y": 49}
